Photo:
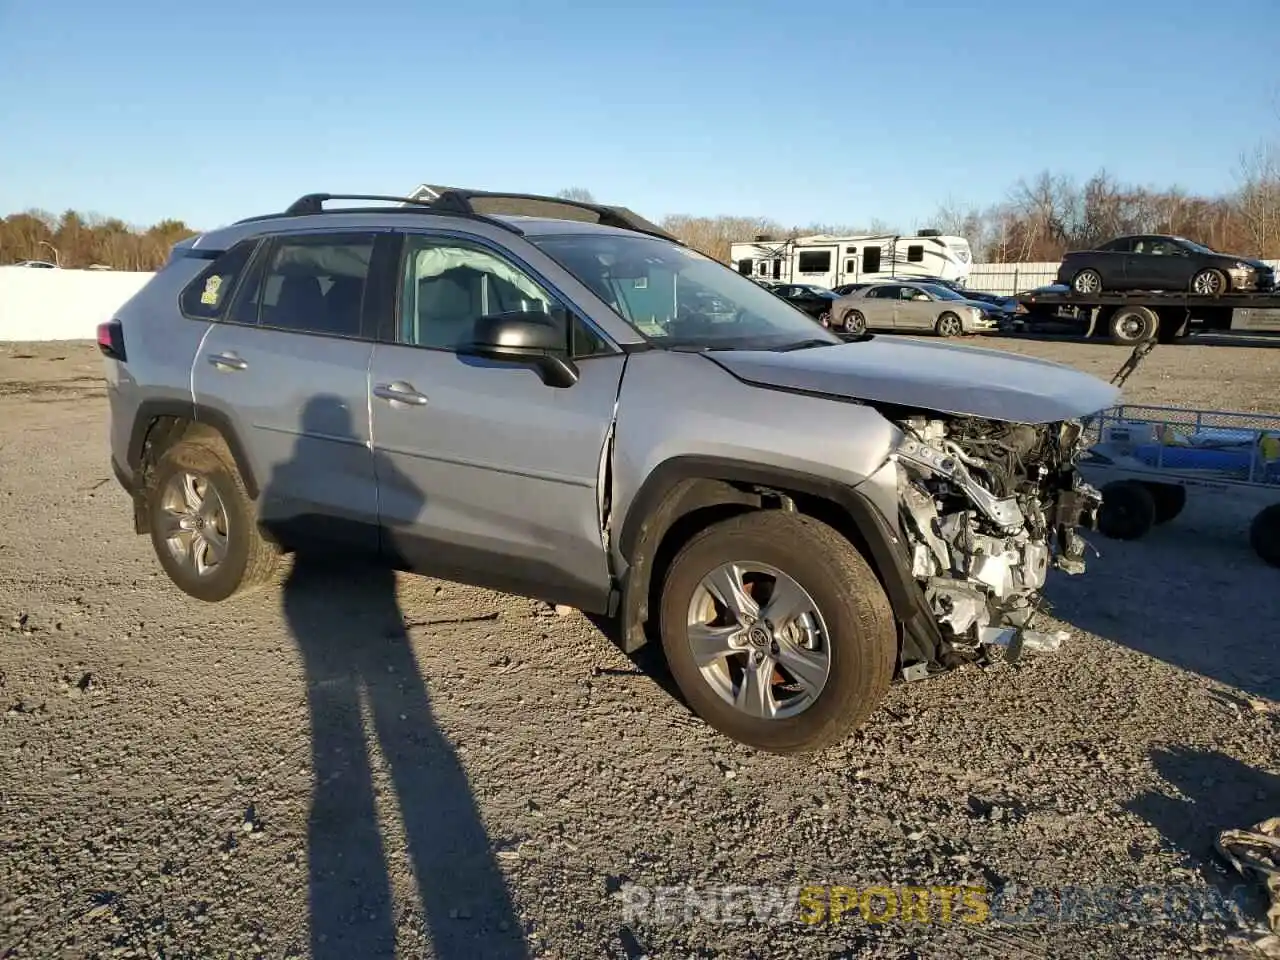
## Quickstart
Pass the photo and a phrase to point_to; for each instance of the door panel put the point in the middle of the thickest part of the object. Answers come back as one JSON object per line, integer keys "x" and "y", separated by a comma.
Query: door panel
{"x": 916, "y": 314}
{"x": 494, "y": 479}
{"x": 290, "y": 370}
{"x": 300, "y": 406}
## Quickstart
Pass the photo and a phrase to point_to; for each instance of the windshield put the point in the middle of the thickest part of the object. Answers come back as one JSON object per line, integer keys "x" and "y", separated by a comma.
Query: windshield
{"x": 679, "y": 297}
{"x": 941, "y": 292}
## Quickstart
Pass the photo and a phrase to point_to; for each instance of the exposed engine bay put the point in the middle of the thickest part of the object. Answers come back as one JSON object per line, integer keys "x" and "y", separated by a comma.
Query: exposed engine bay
{"x": 988, "y": 508}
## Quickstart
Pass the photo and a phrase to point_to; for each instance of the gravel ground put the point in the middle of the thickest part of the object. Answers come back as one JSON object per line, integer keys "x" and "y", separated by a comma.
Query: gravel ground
{"x": 343, "y": 765}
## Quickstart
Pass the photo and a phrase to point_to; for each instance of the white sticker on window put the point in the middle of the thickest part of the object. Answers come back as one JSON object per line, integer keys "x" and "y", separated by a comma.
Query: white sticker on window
{"x": 210, "y": 295}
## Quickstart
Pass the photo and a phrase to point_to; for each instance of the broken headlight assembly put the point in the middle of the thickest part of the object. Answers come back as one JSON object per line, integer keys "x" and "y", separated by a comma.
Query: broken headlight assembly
{"x": 987, "y": 508}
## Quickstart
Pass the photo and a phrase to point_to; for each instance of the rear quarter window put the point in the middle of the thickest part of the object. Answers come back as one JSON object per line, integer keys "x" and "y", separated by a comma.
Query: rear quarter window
{"x": 206, "y": 297}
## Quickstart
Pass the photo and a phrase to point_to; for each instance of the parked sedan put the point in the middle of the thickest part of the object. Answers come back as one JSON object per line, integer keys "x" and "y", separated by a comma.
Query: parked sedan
{"x": 1159, "y": 262}
{"x": 811, "y": 298}
{"x": 911, "y": 306}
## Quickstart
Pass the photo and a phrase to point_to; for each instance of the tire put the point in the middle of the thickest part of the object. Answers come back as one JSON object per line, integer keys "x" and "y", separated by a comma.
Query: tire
{"x": 949, "y": 325}
{"x": 855, "y": 324}
{"x": 1133, "y": 325}
{"x": 1087, "y": 281}
{"x": 825, "y": 319}
{"x": 1169, "y": 499}
{"x": 247, "y": 558}
{"x": 859, "y": 639}
{"x": 1264, "y": 534}
{"x": 1128, "y": 510}
{"x": 1210, "y": 283}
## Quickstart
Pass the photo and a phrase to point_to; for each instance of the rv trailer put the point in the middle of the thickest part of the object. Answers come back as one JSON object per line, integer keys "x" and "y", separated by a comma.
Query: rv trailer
{"x": 830, "y": 261}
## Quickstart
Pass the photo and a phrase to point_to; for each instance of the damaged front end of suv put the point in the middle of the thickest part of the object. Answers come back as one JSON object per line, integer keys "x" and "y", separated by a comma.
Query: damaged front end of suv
{"x": 986, "y": 509}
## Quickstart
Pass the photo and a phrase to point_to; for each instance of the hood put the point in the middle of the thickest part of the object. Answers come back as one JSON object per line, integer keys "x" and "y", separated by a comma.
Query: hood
{"x": 986, "y": 306}
{"x": 943, "y": 377}
{"x": 1256, "y": 264}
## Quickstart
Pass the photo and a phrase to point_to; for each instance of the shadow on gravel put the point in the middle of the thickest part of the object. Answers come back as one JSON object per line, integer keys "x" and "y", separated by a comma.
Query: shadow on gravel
{"x": 362, "y": 679}
{"x": 1218, "y": 793}
{"x": 649, "y": 661}
{"x": 1215, "y": 622}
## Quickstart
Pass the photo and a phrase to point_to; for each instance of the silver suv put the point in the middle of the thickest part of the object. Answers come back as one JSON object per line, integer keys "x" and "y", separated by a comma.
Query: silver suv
{"x": 561, "y": 401}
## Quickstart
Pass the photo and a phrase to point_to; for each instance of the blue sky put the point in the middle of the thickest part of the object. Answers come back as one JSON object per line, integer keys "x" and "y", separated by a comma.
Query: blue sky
{"x": 819, "y": 110}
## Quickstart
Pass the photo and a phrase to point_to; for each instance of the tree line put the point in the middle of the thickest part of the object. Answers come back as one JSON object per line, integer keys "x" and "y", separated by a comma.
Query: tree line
{"x": 1039, "y": 220}
{"x": 76, "y": 240}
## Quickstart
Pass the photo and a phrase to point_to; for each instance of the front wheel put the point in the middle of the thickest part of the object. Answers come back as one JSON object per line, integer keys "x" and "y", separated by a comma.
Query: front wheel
{"x": 1264, "y": 534}
{"x": 1128, "y": 510}
{"x": 777, "y": 631}
{"x": 1210, "y": 283}
{"x": 949, "y": 325}
{"x": 855, "y": 323}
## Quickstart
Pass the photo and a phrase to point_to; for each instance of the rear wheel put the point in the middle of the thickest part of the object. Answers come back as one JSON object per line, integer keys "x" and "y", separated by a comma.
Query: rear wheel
{"x": 948, "y": 325}
{"x": 777, "y": 631}
{"x": 1132, "y": 325}
{"x": 1169, "y": 500}
{"x": 1087, "y": 281}
{"x": 1264, "y": 534}
{"x": 203, "y": 525}
{"x": 1128, "y": 510}
{"x": 1210, "y": 283}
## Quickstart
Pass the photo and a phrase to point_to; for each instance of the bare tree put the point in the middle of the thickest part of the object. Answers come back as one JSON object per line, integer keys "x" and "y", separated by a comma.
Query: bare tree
{"x": 580, "y": 194}
{"x": 1258, "y": 199}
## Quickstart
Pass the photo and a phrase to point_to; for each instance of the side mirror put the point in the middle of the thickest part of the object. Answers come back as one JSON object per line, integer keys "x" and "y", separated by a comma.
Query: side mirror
{"x": 530, "y": 338}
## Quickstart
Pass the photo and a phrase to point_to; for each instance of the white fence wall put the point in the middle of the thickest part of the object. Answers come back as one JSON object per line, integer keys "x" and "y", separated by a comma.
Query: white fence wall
{"x": 69, "y": 304}
{"x": 40, "y": 304}
{"x": 1011, "y": 278}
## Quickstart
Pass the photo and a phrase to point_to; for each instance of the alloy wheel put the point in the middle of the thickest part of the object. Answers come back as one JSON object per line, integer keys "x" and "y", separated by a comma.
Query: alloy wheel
{"x": 194, "y": 522}
{"x": 949, "y": 326}
{"x": 759, "y": 640}
{"x": 1209, "y": 282}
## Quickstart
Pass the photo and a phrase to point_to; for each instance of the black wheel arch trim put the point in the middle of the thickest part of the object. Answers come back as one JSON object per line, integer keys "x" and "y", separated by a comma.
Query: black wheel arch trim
{"x": 151, "y": 410}
{"x": 922, "y": 639}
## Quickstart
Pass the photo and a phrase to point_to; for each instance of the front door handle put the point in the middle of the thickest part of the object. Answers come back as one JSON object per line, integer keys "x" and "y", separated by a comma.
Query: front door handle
{"x": 400, "y": 392}
{"x": 228, "y": 361}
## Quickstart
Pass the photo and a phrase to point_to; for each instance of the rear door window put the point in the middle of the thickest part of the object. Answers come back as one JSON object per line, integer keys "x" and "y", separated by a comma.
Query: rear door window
{"x": 206, "y": 297}
{"x": 311, "y": 284}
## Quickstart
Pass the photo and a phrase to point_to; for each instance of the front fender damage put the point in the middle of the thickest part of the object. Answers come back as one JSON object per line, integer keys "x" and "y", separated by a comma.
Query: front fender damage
{"x": 986, "y": 509}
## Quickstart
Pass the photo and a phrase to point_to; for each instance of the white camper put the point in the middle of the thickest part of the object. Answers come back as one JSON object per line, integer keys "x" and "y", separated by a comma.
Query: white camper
{"x": 831, "y": 261}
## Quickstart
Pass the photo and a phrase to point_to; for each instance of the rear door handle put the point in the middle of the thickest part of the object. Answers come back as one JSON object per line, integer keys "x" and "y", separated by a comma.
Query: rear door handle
{"x": 228, "y": 361}
{"x": 400, "y": 392}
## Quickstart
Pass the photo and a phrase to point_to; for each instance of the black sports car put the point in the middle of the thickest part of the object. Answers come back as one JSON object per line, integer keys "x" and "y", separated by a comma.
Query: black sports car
{"x": 1159, "y": 262}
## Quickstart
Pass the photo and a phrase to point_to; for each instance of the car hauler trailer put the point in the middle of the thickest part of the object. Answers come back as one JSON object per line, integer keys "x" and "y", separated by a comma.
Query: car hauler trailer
{"x": 1132, "y": 317}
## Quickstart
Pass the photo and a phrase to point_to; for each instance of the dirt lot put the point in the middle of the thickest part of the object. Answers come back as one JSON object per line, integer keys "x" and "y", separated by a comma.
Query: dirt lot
{"x": 347, "y": 764}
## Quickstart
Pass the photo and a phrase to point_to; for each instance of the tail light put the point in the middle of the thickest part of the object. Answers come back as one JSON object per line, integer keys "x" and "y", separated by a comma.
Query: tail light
{"x": 111, "y": 339}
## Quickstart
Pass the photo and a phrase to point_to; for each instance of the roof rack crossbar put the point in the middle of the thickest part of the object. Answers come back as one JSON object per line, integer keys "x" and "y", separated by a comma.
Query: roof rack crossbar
{"x": 312, "y": 204}
{"x": 609, "y": 216}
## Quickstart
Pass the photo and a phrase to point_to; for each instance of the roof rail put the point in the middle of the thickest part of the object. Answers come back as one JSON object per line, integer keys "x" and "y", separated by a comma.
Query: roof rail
{"x": 463, "y": 201}
{"x": 460, "y": 203}
{"x": 312, "y": 204}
